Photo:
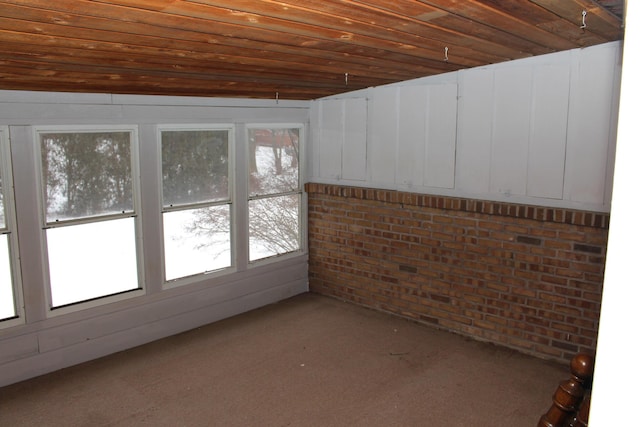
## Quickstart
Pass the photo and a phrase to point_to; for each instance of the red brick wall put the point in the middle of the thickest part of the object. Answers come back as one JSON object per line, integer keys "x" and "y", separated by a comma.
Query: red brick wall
{"x": 525, "y": 277}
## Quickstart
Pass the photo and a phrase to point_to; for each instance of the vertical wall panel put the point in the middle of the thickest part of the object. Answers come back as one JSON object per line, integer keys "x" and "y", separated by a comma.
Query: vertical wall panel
{"x": 613, "y": 127}
{"x": 511, "y": 114}
{"x": 589, "y": 124}
{"x": 440, "y": 153}
{"x": 474, "y": 131}
{"x": 24, "y": 162}
{"x": 384, "y": 136}
{"x": 330, "y": 138}
{"x": 547, "y": 141}
{"x": 312, "y": 153}
{"x": 354, "y": 140}
{"x": 412, "y": 118}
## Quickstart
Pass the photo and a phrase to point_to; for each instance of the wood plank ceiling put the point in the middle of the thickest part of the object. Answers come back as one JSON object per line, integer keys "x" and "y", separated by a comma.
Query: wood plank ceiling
{"x": 288, "y": 49}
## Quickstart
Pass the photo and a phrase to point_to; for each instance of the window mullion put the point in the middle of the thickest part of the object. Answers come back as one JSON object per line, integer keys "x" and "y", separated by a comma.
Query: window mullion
{"x": 186, "y": 206}
{"x": 88, "y": 220}
{"x": 269, "y": 195}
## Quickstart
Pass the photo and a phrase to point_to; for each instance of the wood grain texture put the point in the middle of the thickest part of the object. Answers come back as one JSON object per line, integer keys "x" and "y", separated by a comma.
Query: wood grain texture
{"x": 301, "y": 49}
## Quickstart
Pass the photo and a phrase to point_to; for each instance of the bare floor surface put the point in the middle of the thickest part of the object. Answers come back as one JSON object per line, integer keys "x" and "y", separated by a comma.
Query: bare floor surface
{"x": 306, "y": 361}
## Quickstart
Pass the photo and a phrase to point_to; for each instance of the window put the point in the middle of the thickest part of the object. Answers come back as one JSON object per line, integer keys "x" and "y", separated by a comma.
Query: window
{"x": 9, "y": 295}
{"x": 275, "y": 193}
{"x": 90, "y": 215}
{"x": 196, "y": 200}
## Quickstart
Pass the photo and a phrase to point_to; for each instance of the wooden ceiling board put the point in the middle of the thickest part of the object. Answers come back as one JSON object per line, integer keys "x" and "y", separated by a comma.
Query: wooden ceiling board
{"x": 188, "y": 30}
{"x": 352, "y": 38}
{"x": 378, "y": 23}
{"x": 270, "y": 48}
{"x": 86, "y": 58}
{"x": 548, "y": 22}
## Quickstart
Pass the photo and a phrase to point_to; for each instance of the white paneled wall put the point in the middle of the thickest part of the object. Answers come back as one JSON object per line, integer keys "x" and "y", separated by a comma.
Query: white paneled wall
{"x": 537, "y": 131}
{"x": 426, "y": 128}
{"x": 511, "y": 113}
{"x": 548, "y": 131}
{"x": 590, "y": 125}
{"x": 411, "y": 125}
{"x": 383, "y": 139}
{"x": 475, "y": 124}
{"x": 343, "y": 141}
{"x": 441, "y": 136}
{"x": 354, "y": 153}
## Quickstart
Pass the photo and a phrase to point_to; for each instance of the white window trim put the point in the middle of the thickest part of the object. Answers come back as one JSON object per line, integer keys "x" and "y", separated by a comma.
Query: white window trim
{"x": 10, "y": 218}
{"x": 135, "y": 171}
{"x": 302, "y": 212}
{"x": 233, "y": 267}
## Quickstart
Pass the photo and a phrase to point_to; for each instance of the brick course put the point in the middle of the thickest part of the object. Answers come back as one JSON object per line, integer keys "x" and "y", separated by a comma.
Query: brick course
{"x": 525, "y": 277}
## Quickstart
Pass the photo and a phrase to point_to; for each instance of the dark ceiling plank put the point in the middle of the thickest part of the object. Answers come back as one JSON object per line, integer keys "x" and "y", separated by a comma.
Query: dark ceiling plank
{"x": 117, "y": 43}
{"x": 477, "y": 11}
{"x": 117, "y": 82}
{"x": 255, "y": 27}
{"x": 460, "y": 17}
{"x": 108, "y": 50}
{"x": 472, "y": 29}
{"x": 368, "y": 21}
{"x": 567, "y": 26}
{"x": 119, "y": 87}
{"x": 616, "y": 7}
{"x": 166, "y": 76}
{"x": 104, "y": 29}
{"x": 44, "y": 83}
{"x": 598, "y": 20}
{"x": 85, "y": 58}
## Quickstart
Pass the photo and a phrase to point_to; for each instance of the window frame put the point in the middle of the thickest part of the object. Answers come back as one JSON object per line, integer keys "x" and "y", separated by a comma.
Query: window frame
{"x": 302, "y": 209}
{"x": 231, "y": 202}
{"x": 53, "y": 311}
{"x": 6, "y": 172}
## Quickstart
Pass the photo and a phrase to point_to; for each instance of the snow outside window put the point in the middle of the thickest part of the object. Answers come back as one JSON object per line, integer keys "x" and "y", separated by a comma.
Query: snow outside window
{"x": 196, "y": 200}
{"x": 275, "y": 193}
{"x": 88, "y": 188}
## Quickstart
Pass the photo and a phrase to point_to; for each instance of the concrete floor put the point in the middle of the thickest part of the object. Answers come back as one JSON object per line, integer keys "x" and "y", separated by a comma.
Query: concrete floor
{"x": 307, "y": 361}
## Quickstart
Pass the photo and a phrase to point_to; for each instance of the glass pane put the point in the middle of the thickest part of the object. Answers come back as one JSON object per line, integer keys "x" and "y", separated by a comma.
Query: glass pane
{"x": 195, "y": 166}
{"x": 274, "y": 226}
{"x": 273, "y": 161}
{"x": 92, "y": 260}
{"x": 86, "y": 174}
{"x": 196, "y": 241}
{"x": 7, "y": 304}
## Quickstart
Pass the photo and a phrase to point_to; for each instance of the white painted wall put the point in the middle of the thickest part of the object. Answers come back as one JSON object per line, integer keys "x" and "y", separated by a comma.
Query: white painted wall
{"x": 41, "y": 342}
{"x": 537, "y": 131}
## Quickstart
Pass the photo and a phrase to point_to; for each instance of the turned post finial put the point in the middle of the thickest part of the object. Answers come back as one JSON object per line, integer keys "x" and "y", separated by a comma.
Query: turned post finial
{"x": 582, "y": 367}
{"x": 570, "y": 393}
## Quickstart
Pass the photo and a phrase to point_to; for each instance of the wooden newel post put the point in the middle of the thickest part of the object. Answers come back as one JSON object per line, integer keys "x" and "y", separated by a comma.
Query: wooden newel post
{"x": 569, "y": 395}
{"x": 582, "y": 419}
